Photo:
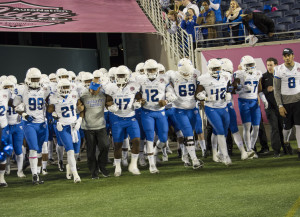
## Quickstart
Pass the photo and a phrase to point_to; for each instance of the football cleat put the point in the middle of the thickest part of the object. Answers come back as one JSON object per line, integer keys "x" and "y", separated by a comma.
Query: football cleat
{"x": 51, "y": 161}
{"x": 216, "y": 158}
{"x": 68, "y": 172}
{"x": 118, "y": 172}
{"x": 3, "y": 185}
{"x": 61, "y": 166}
{"x": 244, "y": 155}
{"x": 134, "y": 170}
{"x": 21, "y": 174}
{"x": 77, "y": 179}
{"x": 35, "y": 179}
{"x": 169, "y": 151}
{"x": 104, "y": 171}
{"x": 44, "y": 171}
{"x": 165, "y": 158}
{"x": 40, "y": 180}
{"x": 196, "y": 164}
{"x": 153, "y": 169}
{"x": 227, "y": 161}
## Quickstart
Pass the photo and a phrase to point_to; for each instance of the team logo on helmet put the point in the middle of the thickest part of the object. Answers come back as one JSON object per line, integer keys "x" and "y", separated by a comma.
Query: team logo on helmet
{"x": 162, "y": 80}
{"x": 23, "y": 15}
{"x": 132, "y": 88}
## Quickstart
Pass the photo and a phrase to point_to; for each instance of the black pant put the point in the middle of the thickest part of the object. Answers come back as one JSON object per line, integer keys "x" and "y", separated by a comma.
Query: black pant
{"x": 276, "y": 123}
{"x": 262, "y": 136}
{"x": 96, "y": 138}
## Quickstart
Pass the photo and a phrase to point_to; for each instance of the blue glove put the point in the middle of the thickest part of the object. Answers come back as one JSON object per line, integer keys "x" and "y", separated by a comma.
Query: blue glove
{"x": 8, "y": 149}
{"x": 29, "y": 118}
{"x": 239, "y": 87}
{"x": 230, "y": 89}
{"x": 2, "y": 156}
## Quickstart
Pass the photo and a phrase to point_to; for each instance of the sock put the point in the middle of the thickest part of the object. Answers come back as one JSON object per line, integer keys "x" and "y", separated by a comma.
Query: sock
{"x": 151, "y": 160}
{"x": 134, "y": 158}
{"x": 214, "y": 143}
{"x": 124, "y": 154}
{"x": 164, "y": 151}
{"x": 20, "y": 162}
{"x": 71, "y": 160}
{"x": 238, "y": 141}
{"x": 39, "y": 170}
{"x": 286, "y": 135}
{"x": 50, "y": 149}
{"x": 33, "y": 160}
{"x": 183, "y": 149}
{"x": 2, "y": 180}
{"x": 76, "y": 156}
{"x": 7, "y": 167}
{"x": 117, "y": 164}
{"x": 222, "y": 145}
{"x": 246, "y": 135}
{"x": 298, "y": 134}
{"x": 254, "y": 135}
{"x": 44, "y": 165}
{"x": 191, "y": 147}
{"x": 60, "y": 153}
{"x": 202, "y": 145}
{"x": 24, "y": 152}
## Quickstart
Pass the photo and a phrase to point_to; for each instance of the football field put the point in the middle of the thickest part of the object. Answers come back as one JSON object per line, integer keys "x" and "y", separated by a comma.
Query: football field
{"x": 261, "y": 187}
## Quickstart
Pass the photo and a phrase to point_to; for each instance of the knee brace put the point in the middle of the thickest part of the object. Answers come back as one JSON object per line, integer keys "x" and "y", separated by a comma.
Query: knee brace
{"x": 188, "y": 141}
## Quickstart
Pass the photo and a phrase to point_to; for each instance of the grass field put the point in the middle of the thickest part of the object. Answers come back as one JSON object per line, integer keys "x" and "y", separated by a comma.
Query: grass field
{"x": 260, "y": 187}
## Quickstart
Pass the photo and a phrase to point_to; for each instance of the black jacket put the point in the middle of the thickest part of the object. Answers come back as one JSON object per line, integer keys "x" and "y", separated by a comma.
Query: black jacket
{"x": 264, "y": 23}
{"x": 267, "y": 80}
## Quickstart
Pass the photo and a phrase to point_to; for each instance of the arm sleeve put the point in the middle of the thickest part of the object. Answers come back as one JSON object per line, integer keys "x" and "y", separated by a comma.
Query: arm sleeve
{"x": 183, "y": 24}
{"x": 215, "y": 6}
{"x": 277, "y": 90}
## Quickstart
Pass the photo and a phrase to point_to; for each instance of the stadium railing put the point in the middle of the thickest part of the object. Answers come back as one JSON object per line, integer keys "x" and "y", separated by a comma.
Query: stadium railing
{"x": 179, "y": 44}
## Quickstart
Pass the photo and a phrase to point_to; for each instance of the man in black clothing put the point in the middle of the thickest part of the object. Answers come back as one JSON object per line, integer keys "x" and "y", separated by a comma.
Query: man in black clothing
{"x": 258, "y": 23}
{"x": 272, "y": 112}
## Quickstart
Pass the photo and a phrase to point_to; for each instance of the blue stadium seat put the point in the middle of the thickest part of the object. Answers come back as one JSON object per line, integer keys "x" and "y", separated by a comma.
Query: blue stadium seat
{"x": 249, "y": 1}
{"x": 283, "y": 2}
{"x": 255, "y": 5}
{"x": 285, "y": 20}
{"x": 272, "y": 2}
{"x": 280, "y": 28}
{"x": 297, "y": 19}
{"x": 296, "y": 6}
{"x": 283, "y": 7}
{"x": 292, "y": 13}
{"x": 294, "y": 26}
{"x": 275, "y": 14}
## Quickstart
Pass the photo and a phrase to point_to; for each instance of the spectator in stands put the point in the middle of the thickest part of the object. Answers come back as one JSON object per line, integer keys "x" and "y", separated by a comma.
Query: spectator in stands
{"x": 188, "y": 5}
{"x": 215, "y": 5}
{"x": 274, "y": 118}
{"x": 189, "y": 22}
{"x": 172, "y": 15}
{"x": 165, "y": 5}
{"x": 178, "y": 7}
{"x": 258, "y": 23}
{"x": 233, "y": 15}
{"x": 207, "y": 17}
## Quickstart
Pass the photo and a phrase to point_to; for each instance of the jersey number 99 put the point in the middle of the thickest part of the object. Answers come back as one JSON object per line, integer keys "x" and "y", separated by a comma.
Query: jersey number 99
{"x": 35, "y": 104}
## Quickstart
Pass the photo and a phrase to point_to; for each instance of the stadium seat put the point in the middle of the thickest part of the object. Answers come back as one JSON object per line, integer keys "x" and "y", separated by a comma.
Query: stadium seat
{"x": 249, "y": 1}
{"x": 272, "y": 2}
{"x": 297, "y": 19}
{"x": 275, "y": 14}
{"x": 296, "y": 6}
{"x": 292, "y": 13}
{"x": 255, "y": 5}
{"x": 294, "y": 26}
{"x": 285, "y": 20}
{"x": 280, "y": 28}
{"x": 283, "y": 2}
{"x": 283, "y": 7}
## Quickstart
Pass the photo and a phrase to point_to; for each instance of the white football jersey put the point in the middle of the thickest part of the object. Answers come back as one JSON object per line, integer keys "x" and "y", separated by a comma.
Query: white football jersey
{"x": 290, "y": 80}
{"x": 52, "y": 87}
{"x": 65, "y": 107}
{"x": 133, "y": 76}
{"x": 5, "y": 95}
{"x": 216, "y": 87}
{"x": 13, "y": 117}
{"x": 35, "y": 105}
{"x": 153, "y": 91}
{"x": 247, "y": 79}
{"x": 123, "y": 98}
{"x": 184, "y": 90}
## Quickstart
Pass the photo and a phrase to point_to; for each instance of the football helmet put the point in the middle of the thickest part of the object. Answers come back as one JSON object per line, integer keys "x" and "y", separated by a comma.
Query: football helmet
{"x": 161, "y": 69}
{"x": 151, "y": 68}
{"x": 140, "y": 68}
{"x": 52, "y": 77}
{"x": 87, "y": 78}
{"x": 227, "y": 65}
{"x": 122, "y": 75}
{"x": 103, "y": 71}
{"x": 33, "y": 78}
{"x": 214, "y": 68}
{"x": 62, "y": 73}
{"x": 13, "y": 79}
{"x": 2, "y": 78}
{"x": 97, "y": 74}
{"x": 248, "y": 64}
{"x": 8, "y": 84}
{"x": 185, "y": 68}
{"x": 111, "y": 74}
{"x": 64, "y": 87}
{"x": 72, "y": 76}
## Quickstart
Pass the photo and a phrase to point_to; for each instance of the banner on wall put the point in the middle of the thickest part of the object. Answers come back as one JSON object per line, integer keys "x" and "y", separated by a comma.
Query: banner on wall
{"x": 73, "y": 16}
{"x": 259, "y": 53}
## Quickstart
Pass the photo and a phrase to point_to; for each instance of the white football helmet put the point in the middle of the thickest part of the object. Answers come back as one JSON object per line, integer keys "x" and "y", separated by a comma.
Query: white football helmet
{"x": 52, "y": 77}
{"x": 103, "y": 71}
{"x": 214, "y": 68}
{"x": 45, "y": 79}
{"x": 185, "y": 68}
{"x": 111, "y": 74}
{"x": 33, "y": 78}
{"x": 64, "y": 87}
{"x": 151, "y": 68}
{"x": 87, "y": 78}
{"x": 2, "y": 78}
{"x": 140, "y": 68}
{"x": 227, "y": 65}
{"x": 97, "y": 74}
{"x": 122, "y": 76}
{"x": 13, "y": 79}
{"x": 161, "y": 69}
{"x": 72, "y": 76}
{"x": 248, "y": 64}
{"x": 62, "y": 73}
{"x": 8, "y": 84}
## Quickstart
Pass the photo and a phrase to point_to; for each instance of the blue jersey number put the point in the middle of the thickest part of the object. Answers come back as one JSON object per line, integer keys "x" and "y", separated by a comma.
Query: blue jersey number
{"x": 35, "y": 104}
{"x": 11, "y": 111}
{"x": 2, "y": 110}
{"x": 153, "y": 93}
{"x": 65, "y": 111}
{"x": 125, "y": 101}
{"x": 255, "y": 83}
{"x": 292, "y": 82}
{"x": 220, "y": 93}
{"x": 190, "y": 92}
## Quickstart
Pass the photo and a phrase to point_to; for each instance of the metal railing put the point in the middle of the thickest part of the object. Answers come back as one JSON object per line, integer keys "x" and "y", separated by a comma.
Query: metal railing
{"x": 179, "y": 44}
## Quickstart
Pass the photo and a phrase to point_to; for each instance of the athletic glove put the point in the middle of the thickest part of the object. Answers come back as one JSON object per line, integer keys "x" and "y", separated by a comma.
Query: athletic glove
{"x": 59, "y": 126}
{"x": 137, "y": 105}
{"x": 78, "y": 123}
{"x": 201, "y": 96}
{"x": 113, "y": 108}
{"x": 20, "y": 107}
{"x": 27, "y": 117}
{"x": 171, "y": 97}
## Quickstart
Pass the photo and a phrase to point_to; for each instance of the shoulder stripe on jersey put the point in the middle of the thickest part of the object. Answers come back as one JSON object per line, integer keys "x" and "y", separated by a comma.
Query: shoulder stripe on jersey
{"x": 277, "y": 77}
{"x": 167, "y": 84}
